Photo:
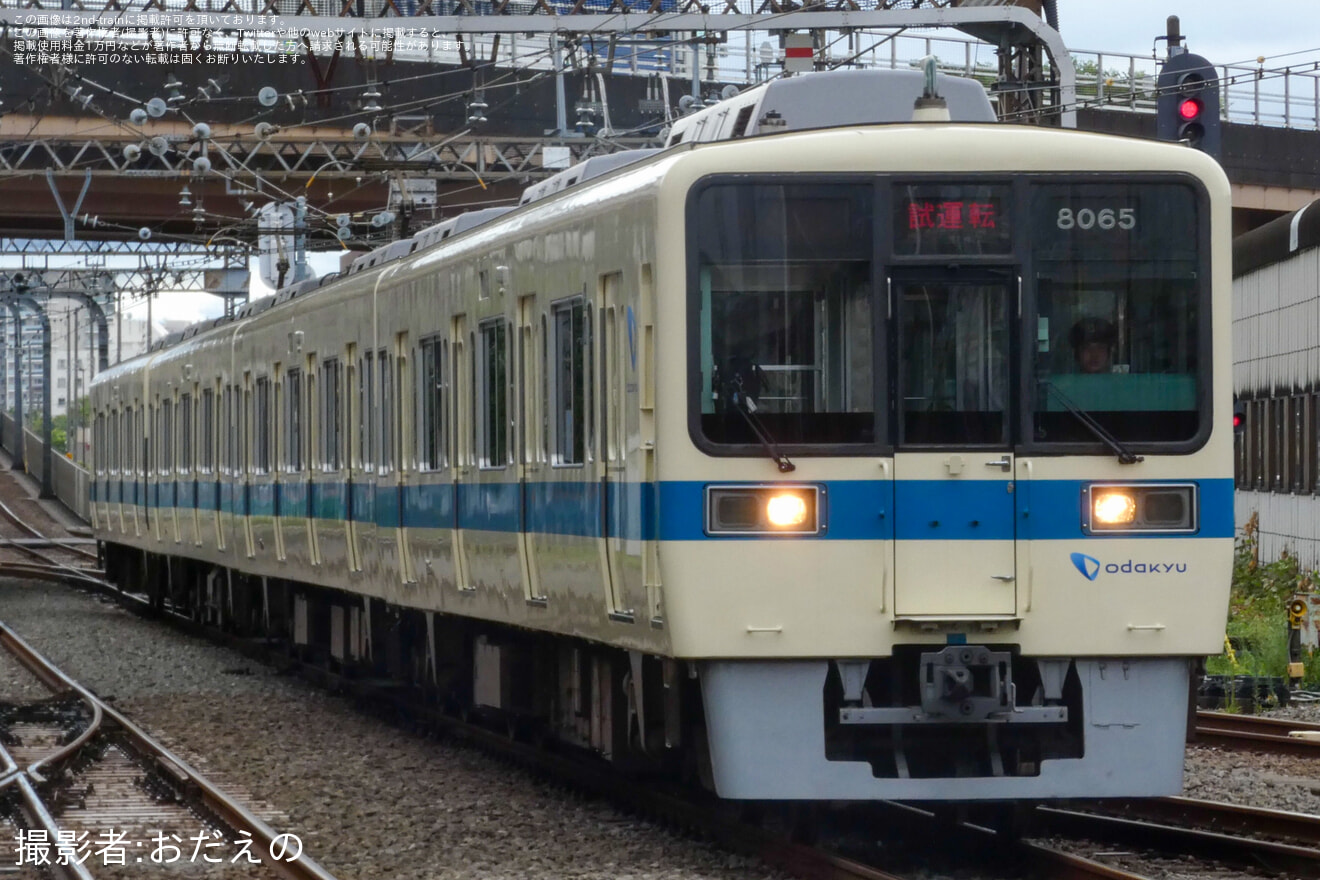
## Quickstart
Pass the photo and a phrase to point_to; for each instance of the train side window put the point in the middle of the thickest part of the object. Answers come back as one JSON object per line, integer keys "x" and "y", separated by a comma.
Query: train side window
{"x": 386, "y": 416}
{"x": 261, "y": 433}
{"x": 367, "y": 401}
{"x": 567, "y": 378}
{"x": 493, "y": 395}
{"x": 293, "y": 421}
{"x": 432, "y": 455}
{"x": 206, "y": 462}
{"x": 186, "y": 434}
{"x": 353, "y": 397}
{"x": 331, "y": 412}
{"x": 166, "y": 439}
{"x": 231, "y": 435}
{"x": 153, "y": 417}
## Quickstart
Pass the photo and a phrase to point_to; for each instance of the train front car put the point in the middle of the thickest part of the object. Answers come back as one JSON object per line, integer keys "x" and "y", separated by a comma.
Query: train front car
{"x": 947, "y": 512}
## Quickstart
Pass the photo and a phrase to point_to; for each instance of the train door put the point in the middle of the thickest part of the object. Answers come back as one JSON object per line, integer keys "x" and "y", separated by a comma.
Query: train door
{"x": 392, "y": 486}
{"x": 188, "y": 463}
{"x": 354, "y": 421}
{"x": 277, "y": 428}
{"x": 954, "y": 490}
{"x": 620, "y": 496}
{"x": 313, "y": 427}
{"x": 123, "y": 418}
{"x": 170, "y": 470}
{"x": 463, "y": 425}
{"x": 530, "y": 427}
{"x": 156, "y": 467}
{"x": 227, "y": 474}
{"x": 141, "y": 464}
{"x": 244, "y": 476}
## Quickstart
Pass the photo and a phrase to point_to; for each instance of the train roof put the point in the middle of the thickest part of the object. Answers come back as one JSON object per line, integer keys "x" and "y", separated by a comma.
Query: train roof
{"x": 827, "y": 99}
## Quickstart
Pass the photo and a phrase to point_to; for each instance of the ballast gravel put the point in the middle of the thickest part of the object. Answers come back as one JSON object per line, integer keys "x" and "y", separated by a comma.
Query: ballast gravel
{"x": 372, "y": 802}
{"x": 369, "y": 801}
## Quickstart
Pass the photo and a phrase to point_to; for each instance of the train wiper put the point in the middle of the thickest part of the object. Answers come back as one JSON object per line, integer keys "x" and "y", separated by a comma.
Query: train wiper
{"x": 746, "y": 406}
{"x": 1125, "y": 456}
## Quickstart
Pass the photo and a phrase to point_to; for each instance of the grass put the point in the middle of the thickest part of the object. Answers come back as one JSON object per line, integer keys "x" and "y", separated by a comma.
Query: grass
{"x": 1258, "y": 617}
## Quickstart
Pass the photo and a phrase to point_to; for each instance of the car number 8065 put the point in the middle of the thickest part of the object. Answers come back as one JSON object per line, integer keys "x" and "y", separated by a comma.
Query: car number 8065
{"x": 1103, "y": 219}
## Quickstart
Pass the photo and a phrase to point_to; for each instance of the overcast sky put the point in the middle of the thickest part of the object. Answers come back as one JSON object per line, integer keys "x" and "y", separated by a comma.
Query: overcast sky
{"x": 1286, "y": 32}
{"x": 1224, "y": 31}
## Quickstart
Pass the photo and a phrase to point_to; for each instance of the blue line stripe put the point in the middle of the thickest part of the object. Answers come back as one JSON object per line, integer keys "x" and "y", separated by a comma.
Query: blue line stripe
{"x": 854, "y": 510}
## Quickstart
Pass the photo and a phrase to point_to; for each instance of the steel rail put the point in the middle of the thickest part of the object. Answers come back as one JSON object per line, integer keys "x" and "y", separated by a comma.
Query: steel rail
{"x": 52, "y": 572}
{"x": 1059, "y": 865}
{"x": 232, "y": 813}
{"x": 37, "y": 814}
{"x": 1263, "y": 734}
{"x": 14, "y": 518}
{"x": 1300, "y": 828}
{"x": 1168, "y": 838}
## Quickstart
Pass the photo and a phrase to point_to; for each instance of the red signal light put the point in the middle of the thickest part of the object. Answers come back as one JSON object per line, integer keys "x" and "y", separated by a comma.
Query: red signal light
{"x": 1238, "y": 420}
{"x": 1189, "y": 109}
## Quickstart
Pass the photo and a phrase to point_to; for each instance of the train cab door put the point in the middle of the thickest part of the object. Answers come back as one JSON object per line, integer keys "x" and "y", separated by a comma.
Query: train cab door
{"x": 620, "y": 484}
{"x": 954, "y": 490}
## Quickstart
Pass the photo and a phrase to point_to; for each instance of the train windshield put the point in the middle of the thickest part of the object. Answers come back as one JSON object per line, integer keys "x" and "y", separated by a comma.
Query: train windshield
{"x": 1118, "y": 331}
{"x": 1058, "y": 313}
{"x": 785, "y": 334}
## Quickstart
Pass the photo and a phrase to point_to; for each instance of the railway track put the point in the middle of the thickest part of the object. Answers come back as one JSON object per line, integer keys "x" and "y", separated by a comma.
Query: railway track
{"x": 75, "y": 770}
{"x": 1279, "y": 842}
{"x": 1262, "y": 734}
{"x": 41, "y": 552}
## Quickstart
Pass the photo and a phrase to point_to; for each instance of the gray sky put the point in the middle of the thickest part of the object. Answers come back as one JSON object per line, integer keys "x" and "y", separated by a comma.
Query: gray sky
{"x": 1287, "y": 32}
{"x": 1224, "y": 31}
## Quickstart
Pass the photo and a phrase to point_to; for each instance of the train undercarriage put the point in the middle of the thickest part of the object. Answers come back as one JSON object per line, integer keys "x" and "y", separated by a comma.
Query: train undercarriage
{"x": 930, "y": 722}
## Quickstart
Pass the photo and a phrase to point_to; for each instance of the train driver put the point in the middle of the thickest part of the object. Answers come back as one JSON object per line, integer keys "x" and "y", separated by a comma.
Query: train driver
{"x": 1092, "y": 341}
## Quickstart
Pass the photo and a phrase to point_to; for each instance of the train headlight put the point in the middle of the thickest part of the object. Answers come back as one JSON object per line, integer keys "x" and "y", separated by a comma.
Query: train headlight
{"x": 1113, "y": 508}
{"x": 786, "y": 510}
{"x": 1139, "y": 507}
{"x": 775, "y": 509}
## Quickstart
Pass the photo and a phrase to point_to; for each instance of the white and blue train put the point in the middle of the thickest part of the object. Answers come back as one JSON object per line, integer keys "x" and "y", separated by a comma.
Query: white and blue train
{"x": 878, "y": 461}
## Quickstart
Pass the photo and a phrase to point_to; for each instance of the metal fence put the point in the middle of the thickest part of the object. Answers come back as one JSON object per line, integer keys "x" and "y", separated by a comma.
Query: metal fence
{"x": 72, "y": 483}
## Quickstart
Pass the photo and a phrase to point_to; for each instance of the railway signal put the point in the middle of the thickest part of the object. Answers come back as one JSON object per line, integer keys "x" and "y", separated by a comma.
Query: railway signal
{"x": 1188, "y": 104}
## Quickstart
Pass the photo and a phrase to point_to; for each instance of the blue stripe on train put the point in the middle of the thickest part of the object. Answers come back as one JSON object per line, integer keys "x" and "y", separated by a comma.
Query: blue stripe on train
{"x": 855, "y": 510}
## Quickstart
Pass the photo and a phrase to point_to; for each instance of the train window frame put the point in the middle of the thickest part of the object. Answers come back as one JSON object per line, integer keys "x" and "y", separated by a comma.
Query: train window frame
{"x": 166, "y": 437}
{"x": 331, "y": 450}
{"x": 206, "y": 417}
{"x": 432, "y": 415}
{"x": 260, "y": 427}
{"x": 186, "y": 428}
{"x": 386, "y": 414}
{"x": 492, "y": 399}
{"x": 878, "y": 256}
{"x": 1032, "y": 262}
{"x": 551, "y": 380}
{"x": 402, "y": 412}
{"x": 293, "y": 421}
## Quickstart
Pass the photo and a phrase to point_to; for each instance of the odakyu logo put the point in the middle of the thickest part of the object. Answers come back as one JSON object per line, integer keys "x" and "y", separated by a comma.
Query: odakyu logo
{"x": 1090, "y": 567}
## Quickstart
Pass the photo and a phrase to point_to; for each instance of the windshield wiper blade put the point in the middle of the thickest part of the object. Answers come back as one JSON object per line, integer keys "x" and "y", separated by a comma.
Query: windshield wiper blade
{"x": 1125, "y": 456}
{"x": 747, "y": 407}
